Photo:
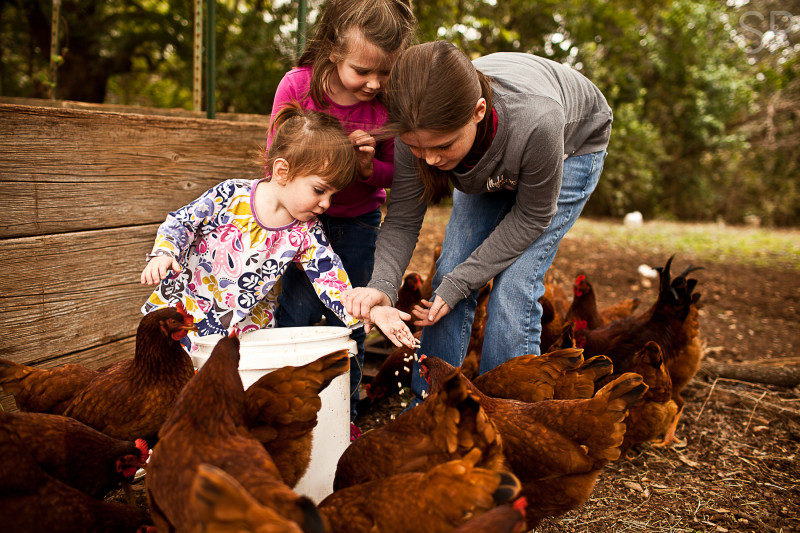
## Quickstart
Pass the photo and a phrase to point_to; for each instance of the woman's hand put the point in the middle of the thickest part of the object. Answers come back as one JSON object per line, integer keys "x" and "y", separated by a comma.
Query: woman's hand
{"x": 364, "y": 144}
{"x": 429, "y": 313}
{"x": 158, "y": 268}
{"x": 390, "y": 321}
{"x": 360, "y": 301}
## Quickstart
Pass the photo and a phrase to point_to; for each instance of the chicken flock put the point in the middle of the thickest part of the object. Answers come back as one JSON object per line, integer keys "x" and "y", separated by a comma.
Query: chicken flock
{"x": 491, "y": 453}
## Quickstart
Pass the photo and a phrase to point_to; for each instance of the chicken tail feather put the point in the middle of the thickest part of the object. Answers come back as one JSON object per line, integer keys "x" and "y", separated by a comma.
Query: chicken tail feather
{"x": 312, "y": 520}
{"x": 597, "y": 367}
{"x": 629, "y": 388}
{"x": 11, "y": 374}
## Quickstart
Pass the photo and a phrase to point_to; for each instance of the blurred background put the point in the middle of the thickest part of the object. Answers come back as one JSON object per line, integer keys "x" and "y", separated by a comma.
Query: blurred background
{"x": 705, "y": 93}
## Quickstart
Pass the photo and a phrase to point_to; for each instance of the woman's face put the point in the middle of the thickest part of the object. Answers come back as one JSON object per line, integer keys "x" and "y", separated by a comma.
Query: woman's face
{"x": 445, "y": 150}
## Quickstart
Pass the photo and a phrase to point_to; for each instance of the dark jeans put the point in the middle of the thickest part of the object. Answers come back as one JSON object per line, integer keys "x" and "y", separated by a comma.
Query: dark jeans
{"x": 353, "y": 240}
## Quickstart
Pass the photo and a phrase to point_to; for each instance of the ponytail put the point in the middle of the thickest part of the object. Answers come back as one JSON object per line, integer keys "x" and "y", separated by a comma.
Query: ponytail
{"x": 312, "y": 143}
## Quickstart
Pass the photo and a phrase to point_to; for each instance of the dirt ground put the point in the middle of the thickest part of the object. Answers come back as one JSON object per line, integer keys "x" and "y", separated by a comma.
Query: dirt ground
{"x": 739, "y": 468}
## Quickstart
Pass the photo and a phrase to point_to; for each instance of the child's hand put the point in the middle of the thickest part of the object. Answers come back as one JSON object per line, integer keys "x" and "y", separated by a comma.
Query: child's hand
{"x": 158, "y": 268}
{"x": 364, "y": 144}
{"x": 390, "y": 322}
{"x": 360, "y": 301}
{"x": 428, "y": 313}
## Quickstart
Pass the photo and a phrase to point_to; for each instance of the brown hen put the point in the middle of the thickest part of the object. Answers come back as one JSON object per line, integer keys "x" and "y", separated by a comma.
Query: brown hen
{"x": 436, "y": 501}
{"x": 556, "y": 448}
{"x": 584, "y": 310}
{"x": 651, "y": 418}
{"x": 31, "y": 500}
{"x": 206, "y": 425}
{"x": 76, "y": 454}
{"x": 446, "y": 426}
{"x": 409, "y": 295}
{"x": 672, "y": 322}
{"x": 123, "y": 399}
{"x": 224, "y": 506}
{"x": 529, "y": 378}
{"x": 554, "y": 307}
{"x": 393, "y": 374}
{"x": 42, "y": 390}
{"x": 281, "y": 410}
{"x": 131, "y": 399}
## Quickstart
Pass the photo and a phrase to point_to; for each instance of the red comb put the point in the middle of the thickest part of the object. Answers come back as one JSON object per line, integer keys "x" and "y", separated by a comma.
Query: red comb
{"x": 144, "y": 449}
{"x": 520, "y": 504}
{"x": 188, "y": 319}
{"x": 579, "y": 279}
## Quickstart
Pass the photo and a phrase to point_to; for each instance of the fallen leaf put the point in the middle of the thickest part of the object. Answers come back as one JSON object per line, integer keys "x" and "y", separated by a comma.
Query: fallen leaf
{"x": 685, "y": 460}
{"x": 633, "y": 486}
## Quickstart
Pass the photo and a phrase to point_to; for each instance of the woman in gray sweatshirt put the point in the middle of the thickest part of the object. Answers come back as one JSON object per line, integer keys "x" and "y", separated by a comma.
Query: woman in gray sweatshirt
{"x": 521, "y": 140}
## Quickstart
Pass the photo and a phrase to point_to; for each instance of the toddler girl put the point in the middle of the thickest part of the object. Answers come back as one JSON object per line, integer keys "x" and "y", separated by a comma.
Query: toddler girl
{"x": 228, "y": 248}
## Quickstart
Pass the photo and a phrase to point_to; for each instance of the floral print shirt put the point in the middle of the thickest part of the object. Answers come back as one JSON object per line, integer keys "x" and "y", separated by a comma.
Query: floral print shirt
{"x": 231, "y": 262}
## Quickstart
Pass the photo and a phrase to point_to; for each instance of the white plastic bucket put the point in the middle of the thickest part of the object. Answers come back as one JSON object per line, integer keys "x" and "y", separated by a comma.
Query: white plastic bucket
{"x": 265, "y": 350}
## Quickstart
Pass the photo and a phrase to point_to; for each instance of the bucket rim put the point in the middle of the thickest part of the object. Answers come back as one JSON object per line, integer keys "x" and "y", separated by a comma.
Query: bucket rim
{"x": 323, "y": 333}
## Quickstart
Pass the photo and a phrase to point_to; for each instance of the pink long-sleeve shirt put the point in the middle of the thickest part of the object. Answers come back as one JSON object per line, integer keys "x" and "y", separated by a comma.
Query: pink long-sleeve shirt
{"x": 362, "y": 196}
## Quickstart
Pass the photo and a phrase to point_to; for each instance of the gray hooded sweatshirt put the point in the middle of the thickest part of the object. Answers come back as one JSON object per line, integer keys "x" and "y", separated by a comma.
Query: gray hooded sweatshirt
{"x": 545, "y": 111}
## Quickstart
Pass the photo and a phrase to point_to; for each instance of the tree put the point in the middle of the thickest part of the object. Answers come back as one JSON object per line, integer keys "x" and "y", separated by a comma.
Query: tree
{"x": 98, "y": 40}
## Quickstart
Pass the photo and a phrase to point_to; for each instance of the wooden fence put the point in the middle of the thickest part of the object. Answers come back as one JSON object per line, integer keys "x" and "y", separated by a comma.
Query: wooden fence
{"x": 83, "y": 192}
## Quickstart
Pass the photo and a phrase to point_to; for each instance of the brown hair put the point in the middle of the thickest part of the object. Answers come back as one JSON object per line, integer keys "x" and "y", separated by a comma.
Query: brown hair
{"x": 313, "y": 143}
{"x": 434, "y": 86}
{"x": 387, "y": 24}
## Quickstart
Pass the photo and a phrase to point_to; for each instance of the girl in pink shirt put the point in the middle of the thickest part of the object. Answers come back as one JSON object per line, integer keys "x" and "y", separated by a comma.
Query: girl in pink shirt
{"x": 343, "y": 73}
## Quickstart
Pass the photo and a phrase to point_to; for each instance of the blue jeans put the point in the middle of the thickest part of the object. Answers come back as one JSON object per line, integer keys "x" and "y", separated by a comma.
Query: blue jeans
{"x": 353, "y": 240}
{"x": 513, "y": 325}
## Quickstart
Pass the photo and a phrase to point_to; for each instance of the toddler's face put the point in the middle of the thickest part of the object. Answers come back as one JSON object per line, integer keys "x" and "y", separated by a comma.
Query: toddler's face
{"x": 306, "y": 197}
{"x": 363, "y": 71}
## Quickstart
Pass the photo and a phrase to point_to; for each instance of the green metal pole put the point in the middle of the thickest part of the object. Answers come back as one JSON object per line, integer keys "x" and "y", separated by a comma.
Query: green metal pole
{"x": 197, "y": 78}
{"x": 211, "y": 59}
{"x": 56, "y": 17}
{"x": 301, "y": 27}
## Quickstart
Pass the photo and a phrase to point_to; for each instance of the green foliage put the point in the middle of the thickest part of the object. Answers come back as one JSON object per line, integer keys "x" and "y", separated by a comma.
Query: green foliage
{"x": 630, "y": 180}
{"x": 705, "y": 97}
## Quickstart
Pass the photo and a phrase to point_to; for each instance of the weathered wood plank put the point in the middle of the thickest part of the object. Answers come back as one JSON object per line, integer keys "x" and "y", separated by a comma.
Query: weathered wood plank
{"x": 119, "y": 108}
{"x": 65, "y": 170}
{"x": 93, "y": 358}
{"x": 66, "y": 293}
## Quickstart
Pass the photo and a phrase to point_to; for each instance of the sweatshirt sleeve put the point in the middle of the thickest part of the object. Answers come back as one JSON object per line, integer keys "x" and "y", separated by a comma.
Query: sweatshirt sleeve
{"x": 538, "y": 188}
{"x": 325, "y": 271}
{"x": 400, "y": 229}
